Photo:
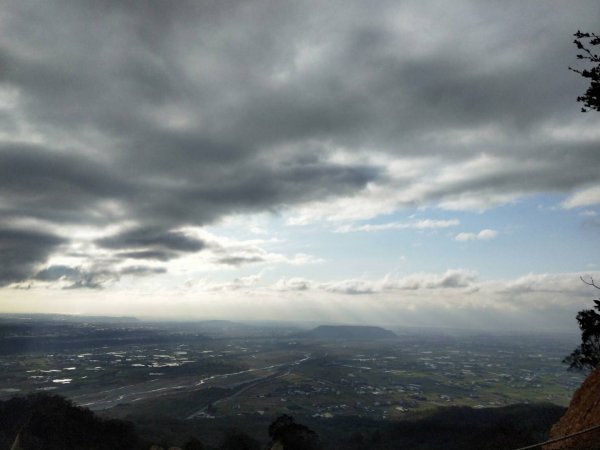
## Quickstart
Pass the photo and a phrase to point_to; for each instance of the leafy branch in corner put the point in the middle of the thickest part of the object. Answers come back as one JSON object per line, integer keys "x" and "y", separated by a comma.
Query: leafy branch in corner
{"x": 584, "y": 43}
{"x": 587, "y": 354}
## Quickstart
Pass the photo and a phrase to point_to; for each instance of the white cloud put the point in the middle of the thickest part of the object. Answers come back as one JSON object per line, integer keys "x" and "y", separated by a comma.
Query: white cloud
{"x": 424, "y": 224}
{"x": 585, "y": 197}
{"x": 456, "y": 291}
{"x": 480, "y": 201}
{"x": 481, "y": 236}
{"x": 454, "y": 278}
{"x": 352, "y": 287}
{"x": 222, "y": 251}
{"x": 474, "y": 182}
{"x": 240, "y": 283}
{"x": 451, "y": 279}
{"x": 542, "y": 301}
{"x": 292, "y": 284}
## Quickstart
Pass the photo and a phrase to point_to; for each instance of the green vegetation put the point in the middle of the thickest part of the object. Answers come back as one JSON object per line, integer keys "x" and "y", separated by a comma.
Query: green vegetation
{"x": 45, "y": 422}
{"x": 587, "y": 355}
{"x": 52, "y": 423}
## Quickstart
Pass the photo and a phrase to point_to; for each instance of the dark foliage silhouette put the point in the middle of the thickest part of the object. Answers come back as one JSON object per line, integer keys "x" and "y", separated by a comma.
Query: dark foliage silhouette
{"x": 50, "y": 422}
{"x": 463, "y": 428}
{"x": 237, "y": 440}
{"x": 587, "y": 355}
{"x": 585, "y": 43}
{"x": 193, "y": 444}
{"x": 291, "y": 435}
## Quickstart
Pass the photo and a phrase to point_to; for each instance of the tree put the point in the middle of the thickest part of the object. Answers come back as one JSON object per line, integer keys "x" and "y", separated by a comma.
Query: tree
{"x": 237, "y": 440}
{"x": 291, "y": 435}
{"x": 587, "y": 354}
{"x": 51, "y": 422}
{"x": 193, "y": 444}
{"x": 584, "y": 42}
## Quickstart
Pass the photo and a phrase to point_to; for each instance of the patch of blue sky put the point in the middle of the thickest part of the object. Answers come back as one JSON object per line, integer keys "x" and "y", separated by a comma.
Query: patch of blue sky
{"x": 532, "y": 235}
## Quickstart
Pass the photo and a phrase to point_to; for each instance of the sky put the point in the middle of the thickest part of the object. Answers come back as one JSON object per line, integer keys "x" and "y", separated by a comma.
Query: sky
{"x": 405, "y": 163}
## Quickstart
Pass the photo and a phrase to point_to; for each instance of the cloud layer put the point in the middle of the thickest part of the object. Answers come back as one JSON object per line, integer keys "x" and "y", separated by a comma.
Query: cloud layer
{"x": 134, "y": 120}
{"x": 483, "y": 235}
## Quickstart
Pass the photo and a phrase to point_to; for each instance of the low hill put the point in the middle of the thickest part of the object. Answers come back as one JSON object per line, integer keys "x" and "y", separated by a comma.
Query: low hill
{"x": 463, "y": 428}
{"x": 350, "y": 332}
{"x": 50, "y": 422}
{"x": 450, "y": 428}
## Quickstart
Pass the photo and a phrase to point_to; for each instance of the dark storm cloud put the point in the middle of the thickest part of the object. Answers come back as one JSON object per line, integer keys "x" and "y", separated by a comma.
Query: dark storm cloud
{"x": 54, "y": 273}
{"x": 173, "y": 114}
{"x": 219, "y": 65}
{"x": 53, "y": 185}
{"x": 239, "y": 260}
{"x": 22, "y": 251}
{"x": 159, "y": 255}
{"x": 529, "y": 174}
{"x": 76, "y": 277}
{"x": 151, "y": 243}
{"x": 92, "y": 278}
{"x": 142, "y": 270}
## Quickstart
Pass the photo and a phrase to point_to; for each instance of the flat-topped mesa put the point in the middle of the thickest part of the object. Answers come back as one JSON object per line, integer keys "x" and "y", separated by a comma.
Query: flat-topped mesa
{"x": 351, "y": 332}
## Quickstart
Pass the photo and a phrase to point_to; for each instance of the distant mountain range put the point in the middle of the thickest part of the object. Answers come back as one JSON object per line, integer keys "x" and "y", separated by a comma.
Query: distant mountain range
{"x": 350, "y": 332}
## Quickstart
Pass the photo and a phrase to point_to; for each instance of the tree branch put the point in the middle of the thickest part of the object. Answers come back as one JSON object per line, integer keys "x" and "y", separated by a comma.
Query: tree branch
{"x": 590, "y": 283}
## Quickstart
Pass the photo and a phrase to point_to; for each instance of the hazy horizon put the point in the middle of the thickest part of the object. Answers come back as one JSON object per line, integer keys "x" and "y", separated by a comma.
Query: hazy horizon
{"x": 414, "y": 163}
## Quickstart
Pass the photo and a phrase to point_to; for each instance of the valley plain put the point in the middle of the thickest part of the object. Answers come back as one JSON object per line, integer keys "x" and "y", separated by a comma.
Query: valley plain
{"x": 217, "y": 369}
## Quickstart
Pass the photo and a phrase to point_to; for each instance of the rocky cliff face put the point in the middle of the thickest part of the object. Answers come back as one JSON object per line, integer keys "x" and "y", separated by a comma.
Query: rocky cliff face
{"x": 583, "y": 412}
